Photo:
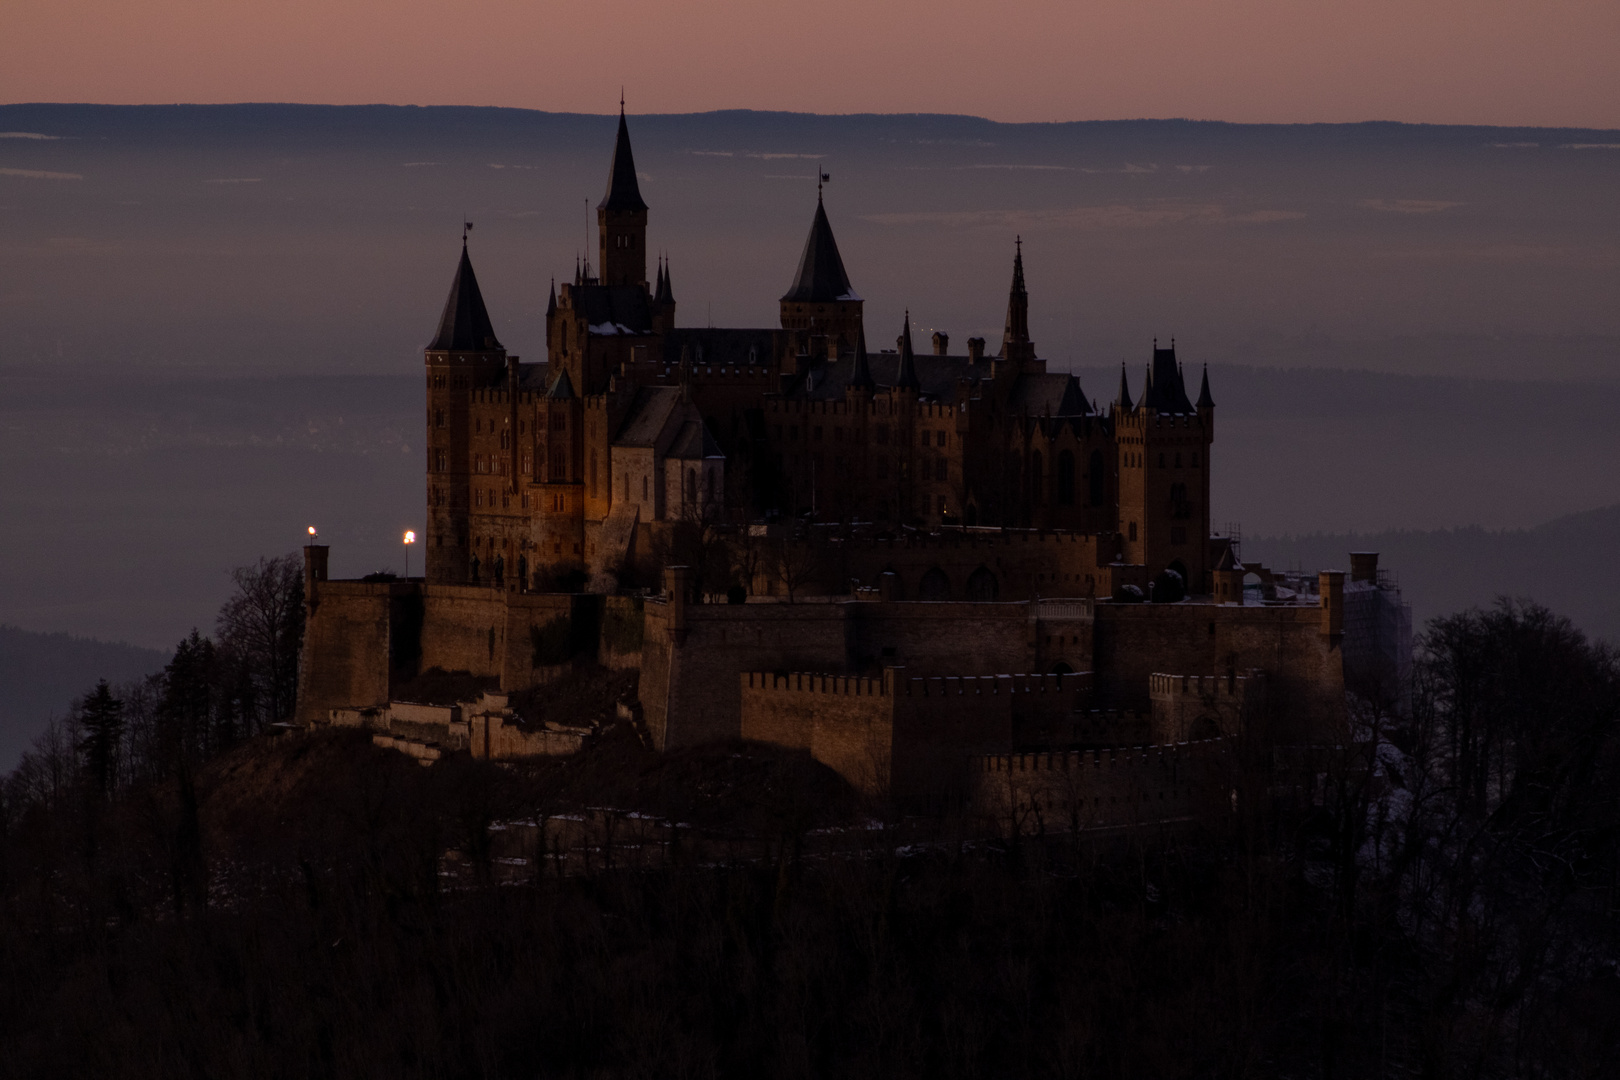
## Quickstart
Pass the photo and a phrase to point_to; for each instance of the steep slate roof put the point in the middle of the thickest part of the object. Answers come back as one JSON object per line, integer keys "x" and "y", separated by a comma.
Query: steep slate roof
{"x": 614, "y": 309}
{"x": 623, "y": 192}
{"x": 821, "y": 278}
{"x": 648, "y": 416}
{"x": 465, "y": 326}
{"x": 1124, "y": 399}
{"x": 719, "y": 346}
{"x": 534, "y": 377}
{"x": 1165, "y": 390}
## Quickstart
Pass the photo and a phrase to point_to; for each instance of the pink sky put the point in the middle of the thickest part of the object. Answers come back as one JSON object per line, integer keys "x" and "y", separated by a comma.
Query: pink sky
{"x": 1542, "y": 62}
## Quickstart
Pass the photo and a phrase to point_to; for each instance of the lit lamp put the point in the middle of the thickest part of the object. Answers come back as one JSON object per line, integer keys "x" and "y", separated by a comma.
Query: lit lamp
{"x": 312, "y": 534}
{"x": 410, "y": 538}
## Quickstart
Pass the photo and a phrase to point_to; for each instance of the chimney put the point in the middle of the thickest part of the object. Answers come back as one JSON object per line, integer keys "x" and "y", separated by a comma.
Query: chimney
{"x": 1331, "y": 585}
{"x": 1364, "y": 566}
{"x": 942, "y": 343}
{"x": 975, "y": 349}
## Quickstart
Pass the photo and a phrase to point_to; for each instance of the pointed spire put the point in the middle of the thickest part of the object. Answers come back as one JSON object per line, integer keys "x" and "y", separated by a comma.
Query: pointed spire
{"x": 623, "y": 192}
{"x": 821, "y": 278}
{"x": 1204, "y": 399}
{"x": 1015, "y": 343}
{"x": 1124, "y": 389}
{"x": 666, "y": 292}
{"x": 465, "y": 326}
{"x": 860, "y": 378}
{"x": 907, "y": 379}
{"x": 551, "y": 302}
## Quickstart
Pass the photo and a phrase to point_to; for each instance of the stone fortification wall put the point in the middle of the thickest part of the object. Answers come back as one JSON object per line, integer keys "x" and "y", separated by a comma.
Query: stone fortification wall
{"x": 844, "y": 722}
{"x": 905, "y": 737}
{"x": 1196, "y": 707}
{"x": 346, "y": 647}
{"x": 1090, "y": 789}
{"x": 1303, "y": 665}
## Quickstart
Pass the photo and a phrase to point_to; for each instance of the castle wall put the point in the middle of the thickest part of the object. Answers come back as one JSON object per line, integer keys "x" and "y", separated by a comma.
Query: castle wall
{"x": 1088, "y": 789}
{"x": 346, "y": 647}
{"x": 1197, "y": 707}
{"x": 845, "y": 722}
{"x": 1304, "y": 668}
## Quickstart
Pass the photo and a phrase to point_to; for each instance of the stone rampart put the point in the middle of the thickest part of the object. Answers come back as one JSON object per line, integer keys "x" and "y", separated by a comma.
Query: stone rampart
{"x": 1068, "y": 791}
{"x": 1195, "y": 707}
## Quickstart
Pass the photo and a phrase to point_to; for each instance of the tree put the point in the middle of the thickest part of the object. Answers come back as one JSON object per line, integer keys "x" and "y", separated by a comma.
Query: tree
{"x": 101, "y": 720}
{"x": 261, "y": 629}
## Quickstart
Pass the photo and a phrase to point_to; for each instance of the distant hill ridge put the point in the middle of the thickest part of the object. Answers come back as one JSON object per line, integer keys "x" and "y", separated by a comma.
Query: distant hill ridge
{"x": 41, "y": 674}
{"x": 1571, "y": 564}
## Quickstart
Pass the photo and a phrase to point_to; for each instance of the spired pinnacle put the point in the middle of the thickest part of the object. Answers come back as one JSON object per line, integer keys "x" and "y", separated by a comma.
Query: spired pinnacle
{"x": 860, "y": 378}
{"x": 907, "y": 379}
{"x": 1124, "y": 389}
{"x": 1205, "y": 401}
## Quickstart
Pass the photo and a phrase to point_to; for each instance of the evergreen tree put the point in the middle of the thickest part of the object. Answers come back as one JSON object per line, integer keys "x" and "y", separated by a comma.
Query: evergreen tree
{"x": 101, "y": 719}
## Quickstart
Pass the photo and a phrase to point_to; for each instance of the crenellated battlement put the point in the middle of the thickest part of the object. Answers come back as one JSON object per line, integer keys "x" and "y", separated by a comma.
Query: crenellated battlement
{"x": 800, "y": 682}
{"x": 1204, "y": 687}
{"x": 1165, "y": 757}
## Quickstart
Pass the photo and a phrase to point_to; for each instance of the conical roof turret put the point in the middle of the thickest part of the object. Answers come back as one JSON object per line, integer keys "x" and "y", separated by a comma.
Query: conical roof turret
{"x": 666, "y": 292}
{"x": 1124, "y": 401}
{"x": 623, "y": 192}
{"x": 1015, "y": 343}
{"x": 465, "y": 326}
{"x": 907, "y": 378}
{"x": 821, "y": 278}
{"x": 1205, "y": 401}
{"x": 551, "y": 301}
{"x": 860, "y": 378}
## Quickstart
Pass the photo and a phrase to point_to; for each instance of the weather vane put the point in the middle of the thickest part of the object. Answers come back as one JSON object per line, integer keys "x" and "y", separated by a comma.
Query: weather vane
{"x": 466, "y": 227}
{"x": 821, "y": 178}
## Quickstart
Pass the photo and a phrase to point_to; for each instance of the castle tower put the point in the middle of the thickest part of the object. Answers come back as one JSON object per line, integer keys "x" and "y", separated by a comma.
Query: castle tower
{"x": 1015, "y": 343}
{"x": 621, "y": 218}
{"x": 1163, "y": 446}
{"x": 822, "y": 302}
{"x": 663, "y": 303}
{"x": 463, "y": 359}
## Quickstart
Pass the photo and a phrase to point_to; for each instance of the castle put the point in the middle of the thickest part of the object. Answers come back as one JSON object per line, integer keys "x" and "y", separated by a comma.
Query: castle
{"x": 1010, "y": 587}
{"x": 571, "y": 465}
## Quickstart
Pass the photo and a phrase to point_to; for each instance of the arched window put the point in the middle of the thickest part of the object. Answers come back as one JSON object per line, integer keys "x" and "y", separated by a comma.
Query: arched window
{"x": 934, "y": 585}
{"x": 1097, "y": 478}
{"x": 1036, "y": 480}
{"x": 982, "y": 585}
{"x": 1065, "y": 478}
{"x": 691, "y": 485}
{"x": 711, "y": 485}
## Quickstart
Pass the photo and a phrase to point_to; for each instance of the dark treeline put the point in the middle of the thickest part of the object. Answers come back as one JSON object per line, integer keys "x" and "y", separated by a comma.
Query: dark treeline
{"x": 211, "y": 695}
{"x": 1445, "y": 903}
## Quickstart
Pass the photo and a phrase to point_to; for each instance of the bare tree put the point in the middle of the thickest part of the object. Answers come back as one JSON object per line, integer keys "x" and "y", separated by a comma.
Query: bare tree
{"x": 261, "y": 628}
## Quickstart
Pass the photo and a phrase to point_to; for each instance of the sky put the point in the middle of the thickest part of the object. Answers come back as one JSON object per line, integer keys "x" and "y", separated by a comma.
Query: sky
{"x": 1513, "y": 62}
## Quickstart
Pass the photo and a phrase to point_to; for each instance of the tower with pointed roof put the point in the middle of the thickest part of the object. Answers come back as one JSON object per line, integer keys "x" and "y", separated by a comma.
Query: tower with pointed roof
{"x": 464, "y": 360}
{"x": 621, "y": 218}
{"x": 821, "y": 307}
{"x": 1163, "y": 445}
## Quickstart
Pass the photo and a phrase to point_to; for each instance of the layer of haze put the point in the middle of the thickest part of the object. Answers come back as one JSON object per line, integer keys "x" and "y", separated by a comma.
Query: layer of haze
{"x": 1274, "y": 61}
{"x": 211, "y": 318}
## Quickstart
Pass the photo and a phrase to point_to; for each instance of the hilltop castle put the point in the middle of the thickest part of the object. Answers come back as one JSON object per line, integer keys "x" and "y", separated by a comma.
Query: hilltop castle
{"x": 538, "y": 469}
{"x": 959, "y": 519}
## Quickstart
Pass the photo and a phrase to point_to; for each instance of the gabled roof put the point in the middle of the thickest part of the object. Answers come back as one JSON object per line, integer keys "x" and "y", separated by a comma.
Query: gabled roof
{"x": 1054, "y": 393}
{"x": 563, "y": 388}
{"x": 623, "y": 192}
{"x": 613, "y": 309}
{"x": 465, "y": 326}
{"x": 648, "y": 416}
{"x": 694, "y": 441}
{"x": 821, "y": 278}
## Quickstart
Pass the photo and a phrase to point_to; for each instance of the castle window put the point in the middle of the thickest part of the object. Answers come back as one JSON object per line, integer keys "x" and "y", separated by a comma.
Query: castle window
{"x": 940, "y": 441}
{"x": 525, "y": 501}
{"x": 1133, "y": 530}
{"x": 593, "y": 474}
{"x": 940, "y": 468}
{"x": 643, "y": 489}
{"x": 478, "y": 498}
{"x": 1065, "y": 478}
{"x": 1098, "y": 481}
